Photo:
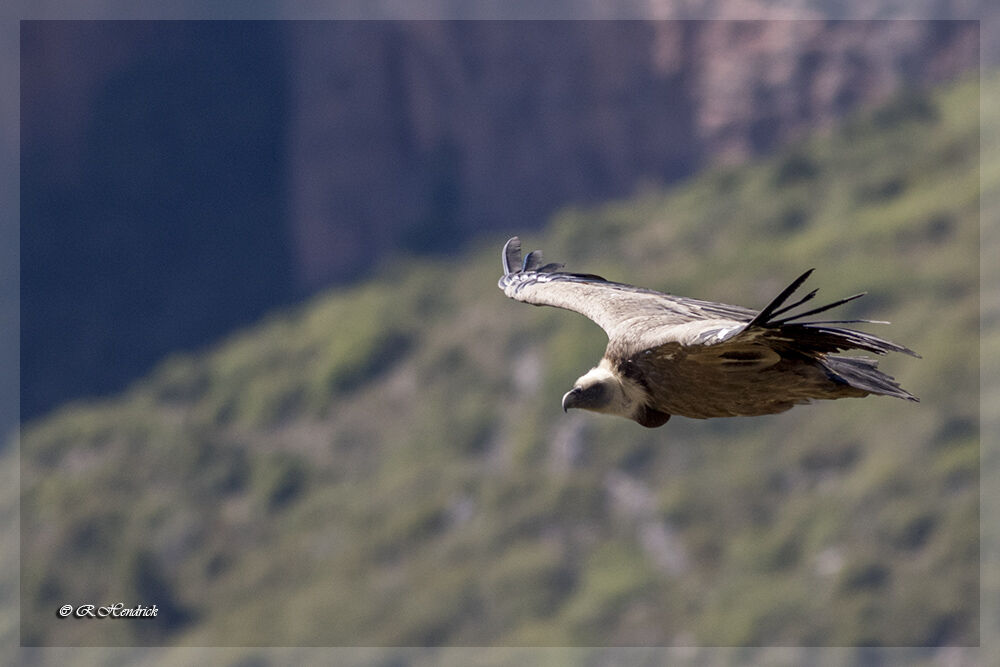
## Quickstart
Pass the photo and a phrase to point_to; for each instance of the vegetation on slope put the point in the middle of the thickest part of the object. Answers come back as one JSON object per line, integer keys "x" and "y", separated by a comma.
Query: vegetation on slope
{"x": 388, "y": 465}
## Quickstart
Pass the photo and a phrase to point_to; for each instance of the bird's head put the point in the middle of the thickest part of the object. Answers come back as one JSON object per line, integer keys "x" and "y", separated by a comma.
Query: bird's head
{"x": 602, "y": 390}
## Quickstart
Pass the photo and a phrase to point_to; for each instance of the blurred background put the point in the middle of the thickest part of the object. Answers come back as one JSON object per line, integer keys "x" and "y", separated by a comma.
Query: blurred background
{"x": 268, "y": 383}
{"x": 179, "y": 179}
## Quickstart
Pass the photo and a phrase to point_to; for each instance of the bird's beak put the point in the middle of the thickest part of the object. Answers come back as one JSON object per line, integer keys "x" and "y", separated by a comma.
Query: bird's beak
{"x": 571, "y": 398}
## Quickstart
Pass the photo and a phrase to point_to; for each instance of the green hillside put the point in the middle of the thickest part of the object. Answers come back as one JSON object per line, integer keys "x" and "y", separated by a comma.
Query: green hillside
{"x": 388, "y": 465}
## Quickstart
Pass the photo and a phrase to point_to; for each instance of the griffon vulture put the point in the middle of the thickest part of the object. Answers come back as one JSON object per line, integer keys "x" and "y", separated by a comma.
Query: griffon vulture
{"x": 671, "y": 355}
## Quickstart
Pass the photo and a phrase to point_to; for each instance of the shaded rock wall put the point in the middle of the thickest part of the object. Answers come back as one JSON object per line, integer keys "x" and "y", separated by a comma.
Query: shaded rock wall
{"x": 425, "y": 133}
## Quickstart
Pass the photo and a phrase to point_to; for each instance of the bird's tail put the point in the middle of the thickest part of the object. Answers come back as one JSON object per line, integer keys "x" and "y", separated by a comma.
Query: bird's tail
{"x": 863, "y": 374}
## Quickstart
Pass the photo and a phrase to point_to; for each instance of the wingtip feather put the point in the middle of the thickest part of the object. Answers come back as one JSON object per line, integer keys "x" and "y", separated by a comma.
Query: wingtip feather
{"x": 767, "y": 311}
{"x": 511, "y": 255}
{"x": 532, "y": 261}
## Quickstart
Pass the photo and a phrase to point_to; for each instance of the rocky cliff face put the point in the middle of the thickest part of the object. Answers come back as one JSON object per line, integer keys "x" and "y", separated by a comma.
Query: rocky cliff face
{"x": 179, "y": 179}
{"x": 151, "y": 198}
{"x": 426, "y": 133}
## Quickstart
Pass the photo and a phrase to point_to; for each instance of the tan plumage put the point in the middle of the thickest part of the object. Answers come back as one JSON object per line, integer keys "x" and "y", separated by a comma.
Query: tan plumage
{"x": 670, "y": 355}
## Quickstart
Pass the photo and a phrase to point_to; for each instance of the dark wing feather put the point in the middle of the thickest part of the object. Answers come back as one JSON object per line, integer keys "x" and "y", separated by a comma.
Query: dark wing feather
{"x": 767, "y": 311}
{"x": 615, "y": 307}
{"x": 789, "y": 336}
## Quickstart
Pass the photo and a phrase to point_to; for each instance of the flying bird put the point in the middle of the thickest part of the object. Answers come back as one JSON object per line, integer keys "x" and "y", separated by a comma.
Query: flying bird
{"x": 672, "y": 355}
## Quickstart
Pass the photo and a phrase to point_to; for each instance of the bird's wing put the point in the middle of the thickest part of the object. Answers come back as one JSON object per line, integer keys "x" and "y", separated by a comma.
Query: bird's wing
{"x": 772, "y": 333}
{"x": 616, "y": 307}
{"x": 638, "y": 319}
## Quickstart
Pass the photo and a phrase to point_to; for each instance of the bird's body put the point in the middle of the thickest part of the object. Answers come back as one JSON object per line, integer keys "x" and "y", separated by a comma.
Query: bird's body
{"x": 670, "y": 355}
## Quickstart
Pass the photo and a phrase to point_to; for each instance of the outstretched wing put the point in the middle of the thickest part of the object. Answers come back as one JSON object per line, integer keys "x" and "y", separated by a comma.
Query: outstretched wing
{"x": 786, "y": 333}
{"x": 641, "y": 319}
{"x": 615, "y": 307}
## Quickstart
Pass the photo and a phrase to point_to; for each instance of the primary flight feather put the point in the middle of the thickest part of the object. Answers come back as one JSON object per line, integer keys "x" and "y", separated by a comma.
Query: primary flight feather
{"x": 671, "y": 355}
